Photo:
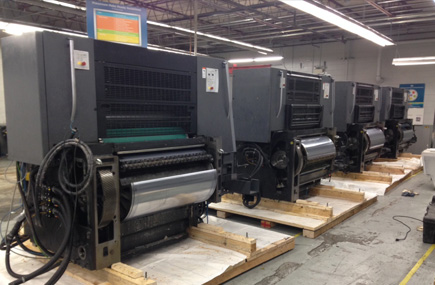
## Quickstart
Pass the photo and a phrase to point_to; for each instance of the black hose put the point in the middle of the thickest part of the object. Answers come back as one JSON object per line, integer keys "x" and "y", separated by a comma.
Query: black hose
{"x": 49, "y": 265}
{"x": 53, "y": 153}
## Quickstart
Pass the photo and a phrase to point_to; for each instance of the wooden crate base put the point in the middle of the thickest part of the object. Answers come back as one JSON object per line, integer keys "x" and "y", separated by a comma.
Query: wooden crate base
{"x": 381, "y": 177}
{"x": 326, "y": 208}
{"x": 213, "y": 254}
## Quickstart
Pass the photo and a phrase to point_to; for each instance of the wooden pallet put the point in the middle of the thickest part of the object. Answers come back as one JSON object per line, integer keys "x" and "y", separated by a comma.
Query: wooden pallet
{"x": 380, "y": 177}
{"x": 213, "y": 254}
{"x": 326, "y": 208}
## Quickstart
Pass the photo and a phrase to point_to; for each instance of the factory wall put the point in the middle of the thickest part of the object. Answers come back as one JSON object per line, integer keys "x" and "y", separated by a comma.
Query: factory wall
{"x": 2, "y": 96}
{"x": 358, "y": 61}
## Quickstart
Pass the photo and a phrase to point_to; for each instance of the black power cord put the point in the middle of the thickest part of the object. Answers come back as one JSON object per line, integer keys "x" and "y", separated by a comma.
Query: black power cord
{"x": 409, "y": 229}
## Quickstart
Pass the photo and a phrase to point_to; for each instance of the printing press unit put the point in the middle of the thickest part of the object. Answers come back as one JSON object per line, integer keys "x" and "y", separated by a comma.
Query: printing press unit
{"x": 283, "y": 123}
{"x": 399, "y": 131}
{"x": 122, "y": 146}
{"x": 357, "y": 119}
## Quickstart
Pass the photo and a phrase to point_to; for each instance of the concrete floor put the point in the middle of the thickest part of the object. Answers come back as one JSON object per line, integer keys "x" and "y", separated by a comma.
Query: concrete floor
{"x": 361, "y": 250}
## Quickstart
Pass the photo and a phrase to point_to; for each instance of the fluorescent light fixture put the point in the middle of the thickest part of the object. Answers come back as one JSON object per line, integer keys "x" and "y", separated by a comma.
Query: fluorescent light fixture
{"x": 267, "y": 58}
{"x": 334, "y": 17}
{"x": 64, "y": 4}
{"x": 241, "y": 60}
{"x": 257, "y": 59}
{"x": 414, "y": 60}
{"x": 219, "y": 38}
{"x": 18, "y": 29}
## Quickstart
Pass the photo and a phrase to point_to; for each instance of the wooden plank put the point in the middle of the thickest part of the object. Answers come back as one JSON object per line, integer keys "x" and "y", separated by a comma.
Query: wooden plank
{"x": 298, "y": 209}
{"x": 127, "y": 270}
{"x": 386, "y": 169}
{"x": 122, "y": 274}
{"x": 215, "y": 236}
{"x": 338, "y": 219}
{"x": 259, "y": 257}
{"x": 223, "y": 215}
{"x": 409, "y": 155}
{"x": 384, "y": 159}
{"x": 331, "y": 191}
{"x": 366, "y": 176}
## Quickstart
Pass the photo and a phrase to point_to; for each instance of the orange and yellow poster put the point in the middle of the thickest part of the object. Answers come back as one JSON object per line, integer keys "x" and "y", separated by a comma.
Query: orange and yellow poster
{"x": 116, "y": 22}
{"x": 117, "y": 27}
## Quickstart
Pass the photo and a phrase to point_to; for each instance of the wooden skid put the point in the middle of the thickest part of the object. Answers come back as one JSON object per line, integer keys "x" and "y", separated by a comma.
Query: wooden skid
{"x": 366, "y": 176}
{"x": 206, "y": 236}
{"x": 304, "y": 213}
{"x": 265, "y": 254}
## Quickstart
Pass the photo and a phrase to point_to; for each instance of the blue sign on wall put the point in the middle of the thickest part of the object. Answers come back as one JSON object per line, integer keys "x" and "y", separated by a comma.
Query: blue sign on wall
{"x": 116, "y": 23}
{"x": 416, "y": 94}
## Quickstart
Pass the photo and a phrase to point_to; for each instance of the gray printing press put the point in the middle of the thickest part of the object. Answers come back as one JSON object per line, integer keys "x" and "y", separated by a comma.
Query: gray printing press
{"x": 123, "y": 147}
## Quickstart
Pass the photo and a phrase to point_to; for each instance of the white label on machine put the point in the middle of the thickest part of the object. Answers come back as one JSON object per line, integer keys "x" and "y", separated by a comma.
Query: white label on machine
{"x": 212, "y": 80}
{"x": 326, "y": 88}
{"x": 377, "y": 95}
{"x": 282, "y": 83}
{"x": 204, "y": 72}
{"x": 81, "y": 59}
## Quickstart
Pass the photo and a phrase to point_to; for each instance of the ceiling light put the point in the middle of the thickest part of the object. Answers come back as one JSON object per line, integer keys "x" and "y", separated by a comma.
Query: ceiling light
{"x": 64, "y": 4}
{"x": 268, "y": 58}
{"x": 334, "y": 17}
{"x": 257, "y": 59}
{"x": 219, "y": 38}
{"x": 414, "y": 60}
{"x": 241, "y": 60}
{"x": 18, "y": 29}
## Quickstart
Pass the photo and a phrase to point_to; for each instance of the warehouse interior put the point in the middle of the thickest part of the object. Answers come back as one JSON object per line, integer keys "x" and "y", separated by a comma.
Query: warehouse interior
{"x": 236, "y": 142}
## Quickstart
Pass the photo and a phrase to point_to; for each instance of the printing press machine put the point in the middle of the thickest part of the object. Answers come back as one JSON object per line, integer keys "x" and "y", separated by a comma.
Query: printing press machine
{"x": 399, "y": 131}
{"x": 118, "y": 148}
{"x": 284, "y": 133}
{"x": 360, "y": 131}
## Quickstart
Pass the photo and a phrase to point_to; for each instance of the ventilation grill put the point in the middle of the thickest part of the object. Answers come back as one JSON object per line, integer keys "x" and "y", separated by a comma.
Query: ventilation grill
{"x": 129, "y": 120}
{"x": 303, "y": 90}
{"x": 303, "y": 116}
{"x": 137, "y": 101}
{"x": 364, "y": 114}
{"x": 397, "y": 112}
{"x": 397, "y": 98}
{"x": 139, "y": 84}
{"x": 364, "y": 95}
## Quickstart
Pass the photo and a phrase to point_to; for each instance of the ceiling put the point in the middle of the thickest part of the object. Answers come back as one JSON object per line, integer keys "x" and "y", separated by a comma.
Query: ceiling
{"x": 266, "y": 23}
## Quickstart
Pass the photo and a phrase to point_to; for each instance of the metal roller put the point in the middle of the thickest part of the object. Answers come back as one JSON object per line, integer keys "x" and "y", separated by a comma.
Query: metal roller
{"x": 163, "y": 159}
{"x": 406, "y": 131}
{"x": 159, "y": 194}
{"x": 318, "y": 148}
{"x": 376, "y": 138}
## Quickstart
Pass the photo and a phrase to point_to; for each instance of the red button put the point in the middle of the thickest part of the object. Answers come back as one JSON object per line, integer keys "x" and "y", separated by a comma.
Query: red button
{"x": 83, "y": 63}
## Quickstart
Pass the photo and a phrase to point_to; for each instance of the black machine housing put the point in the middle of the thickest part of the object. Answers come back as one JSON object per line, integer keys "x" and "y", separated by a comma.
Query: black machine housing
{"x": 359, "y": 126}
{"x": 159, "y": 126}
{"x": 399, "y": 131}
{"x": 283, "y": 122}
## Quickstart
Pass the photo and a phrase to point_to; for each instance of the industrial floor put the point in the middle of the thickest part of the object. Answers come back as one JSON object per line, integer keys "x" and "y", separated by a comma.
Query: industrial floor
{"x": 361, "y": 250}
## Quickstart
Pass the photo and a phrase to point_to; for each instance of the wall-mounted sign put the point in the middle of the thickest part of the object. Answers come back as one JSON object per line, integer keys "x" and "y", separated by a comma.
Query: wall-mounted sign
{"x": 415, "y": 95}
{"x": 116, "y": 23}
{"x": 415, "y": 102}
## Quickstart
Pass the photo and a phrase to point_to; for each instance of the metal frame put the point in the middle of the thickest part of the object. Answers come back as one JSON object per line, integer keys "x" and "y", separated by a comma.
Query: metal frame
{"x": 267, "y": 23}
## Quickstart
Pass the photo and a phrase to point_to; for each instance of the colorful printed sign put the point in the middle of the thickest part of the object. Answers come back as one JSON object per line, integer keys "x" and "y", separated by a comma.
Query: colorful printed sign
{"x": 116, "y": 23}
{"x": 415, "y": 95}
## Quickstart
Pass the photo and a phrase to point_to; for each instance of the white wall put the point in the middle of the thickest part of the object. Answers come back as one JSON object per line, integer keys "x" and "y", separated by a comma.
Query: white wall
{"x": 357, "y": 61}
{"x": 2, "y": 96}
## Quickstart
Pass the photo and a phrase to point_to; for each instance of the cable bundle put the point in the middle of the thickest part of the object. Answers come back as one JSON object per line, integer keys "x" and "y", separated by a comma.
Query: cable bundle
{"x": 63, "y": 196}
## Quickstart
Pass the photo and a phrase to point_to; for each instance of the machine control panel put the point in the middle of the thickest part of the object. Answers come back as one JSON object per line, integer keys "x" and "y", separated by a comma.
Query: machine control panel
{"x": 81, "y": 59}
{"x": 212, "y": 80}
